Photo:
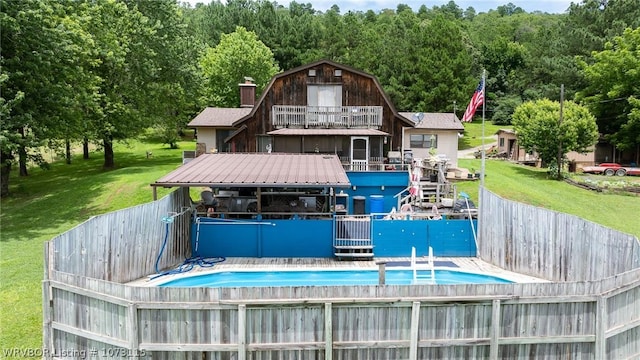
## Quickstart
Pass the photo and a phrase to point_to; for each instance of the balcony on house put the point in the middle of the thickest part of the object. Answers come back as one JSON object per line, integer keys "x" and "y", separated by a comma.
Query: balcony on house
{"x": 374, "y": 163}
{"x": 293, "y": 116}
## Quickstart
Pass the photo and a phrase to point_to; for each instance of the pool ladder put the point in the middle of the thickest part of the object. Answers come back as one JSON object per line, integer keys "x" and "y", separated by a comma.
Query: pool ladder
{"x": 427, "y": 273}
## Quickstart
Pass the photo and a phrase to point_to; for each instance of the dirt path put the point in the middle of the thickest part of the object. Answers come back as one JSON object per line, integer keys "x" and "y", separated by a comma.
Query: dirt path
{"x": 468, "y": 153}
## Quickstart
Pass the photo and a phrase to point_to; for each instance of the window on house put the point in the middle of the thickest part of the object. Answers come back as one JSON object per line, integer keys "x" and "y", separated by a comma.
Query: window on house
{"x": 425, "y": 141}
{"x": 501, "y": 142}
{"x": 375, "y": 148}
{"x": 220, "y": 144}
{"x": 324, "y": 95}
{"x": 265, "y": 144}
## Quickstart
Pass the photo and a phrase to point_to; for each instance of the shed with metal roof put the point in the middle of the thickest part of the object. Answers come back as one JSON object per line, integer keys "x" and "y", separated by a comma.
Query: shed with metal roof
{"x": 258, "y": 170}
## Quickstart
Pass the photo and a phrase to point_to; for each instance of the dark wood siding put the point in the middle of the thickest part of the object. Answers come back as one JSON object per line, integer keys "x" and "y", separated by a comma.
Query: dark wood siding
{"x": 357, "y": 90}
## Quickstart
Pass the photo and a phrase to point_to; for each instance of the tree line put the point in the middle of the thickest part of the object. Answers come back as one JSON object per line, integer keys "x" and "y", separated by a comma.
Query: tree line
{"x": 96, "y": 72}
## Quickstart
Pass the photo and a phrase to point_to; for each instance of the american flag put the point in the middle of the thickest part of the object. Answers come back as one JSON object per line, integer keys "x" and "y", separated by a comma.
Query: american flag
{"x": 476, "y": 100}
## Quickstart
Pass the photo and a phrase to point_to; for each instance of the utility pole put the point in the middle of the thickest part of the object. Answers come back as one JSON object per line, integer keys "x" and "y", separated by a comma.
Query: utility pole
{"x": 454, "y": 109}
{"x": 560, "y": 139}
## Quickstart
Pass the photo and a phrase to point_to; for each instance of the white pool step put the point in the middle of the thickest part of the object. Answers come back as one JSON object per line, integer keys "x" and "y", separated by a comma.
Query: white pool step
{"x": 423, "y": 273}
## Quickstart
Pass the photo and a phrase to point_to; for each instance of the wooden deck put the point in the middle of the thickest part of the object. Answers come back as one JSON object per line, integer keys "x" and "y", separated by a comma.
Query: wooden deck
{"x": 466, "y": 264}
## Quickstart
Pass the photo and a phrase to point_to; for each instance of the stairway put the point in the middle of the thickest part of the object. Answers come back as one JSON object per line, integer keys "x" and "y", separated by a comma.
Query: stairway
{"x": 426, "y": 190}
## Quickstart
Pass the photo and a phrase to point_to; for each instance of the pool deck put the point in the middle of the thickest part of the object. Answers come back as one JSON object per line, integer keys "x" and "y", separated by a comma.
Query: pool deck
{"x": 466, "y": 264}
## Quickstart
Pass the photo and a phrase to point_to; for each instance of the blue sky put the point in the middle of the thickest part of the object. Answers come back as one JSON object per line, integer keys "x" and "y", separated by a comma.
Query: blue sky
{"x": 550, "y": 6}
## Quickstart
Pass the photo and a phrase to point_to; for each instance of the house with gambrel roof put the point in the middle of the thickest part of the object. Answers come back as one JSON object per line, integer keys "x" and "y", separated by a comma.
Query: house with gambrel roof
{"x": 324, "y": 107}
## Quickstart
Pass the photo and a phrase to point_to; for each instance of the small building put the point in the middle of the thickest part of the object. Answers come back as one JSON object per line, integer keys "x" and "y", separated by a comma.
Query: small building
{"x": 578, "y": 160}
{"x": 508, "y": 148}
{"x": 598, "y": 153}
{"x": 433, "y": 132}
{"x": 214, "y": 125}
{"x": 603, "y": 151}
{"x": 238, "y": 184}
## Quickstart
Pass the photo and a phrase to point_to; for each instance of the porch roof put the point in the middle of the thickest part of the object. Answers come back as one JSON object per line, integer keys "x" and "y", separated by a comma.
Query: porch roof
{"x": 325, "y": 132}
{"x": 258, "y": 170}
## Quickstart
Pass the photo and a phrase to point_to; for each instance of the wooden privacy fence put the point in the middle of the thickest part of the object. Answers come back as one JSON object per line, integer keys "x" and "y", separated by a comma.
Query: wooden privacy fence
{"x": 592, "y": 320}
{"x": 124, "y": 245}
{"x": 551, "y": 245}
{"x": 594, "y": 314}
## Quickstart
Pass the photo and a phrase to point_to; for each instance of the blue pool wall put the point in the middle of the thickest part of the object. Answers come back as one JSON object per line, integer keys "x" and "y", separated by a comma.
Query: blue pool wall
{"x": 262, "y": 238}
{"x": 395, "y": 238}
{"x": 367, "y": 183}
{"x": 314, "y": 238}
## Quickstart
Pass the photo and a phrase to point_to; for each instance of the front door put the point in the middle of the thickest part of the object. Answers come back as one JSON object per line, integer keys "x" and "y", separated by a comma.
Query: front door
{"x": 512, "y": 151}
{"x": 359, "y": 153}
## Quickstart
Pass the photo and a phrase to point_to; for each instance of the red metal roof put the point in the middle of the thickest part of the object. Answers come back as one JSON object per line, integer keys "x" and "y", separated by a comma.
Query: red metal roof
{"x": 349, "y": 132}
{"x": 259, "y": 170}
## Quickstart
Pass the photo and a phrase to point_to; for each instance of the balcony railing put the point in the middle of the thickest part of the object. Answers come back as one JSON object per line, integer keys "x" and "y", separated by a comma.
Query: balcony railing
{"x": 326, "y": 116}
{"x": 373, "y": 164}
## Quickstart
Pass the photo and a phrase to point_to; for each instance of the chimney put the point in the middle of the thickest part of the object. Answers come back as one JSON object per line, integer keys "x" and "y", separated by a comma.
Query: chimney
{"x": 247, "y": 93}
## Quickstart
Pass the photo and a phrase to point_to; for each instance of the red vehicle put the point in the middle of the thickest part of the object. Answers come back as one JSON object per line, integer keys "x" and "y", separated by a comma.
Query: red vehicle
{"x": 611, "y": 169}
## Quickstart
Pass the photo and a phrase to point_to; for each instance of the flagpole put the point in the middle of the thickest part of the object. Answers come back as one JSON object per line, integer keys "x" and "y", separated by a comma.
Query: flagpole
{"x": 484, "y": 101}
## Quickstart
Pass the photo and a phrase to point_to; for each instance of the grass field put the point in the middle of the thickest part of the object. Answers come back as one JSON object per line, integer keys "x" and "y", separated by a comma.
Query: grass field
{"x": 50, "y": 202}
{"x": 531, "y": 185}
{"x": 473, "y": 134}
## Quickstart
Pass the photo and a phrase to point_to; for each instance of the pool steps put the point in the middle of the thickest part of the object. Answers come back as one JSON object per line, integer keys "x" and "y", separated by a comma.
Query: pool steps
{"x": 427, "y": 271}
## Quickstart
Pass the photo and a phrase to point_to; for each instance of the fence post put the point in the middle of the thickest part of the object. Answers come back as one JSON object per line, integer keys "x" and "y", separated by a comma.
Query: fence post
{"x": 601, "y": 328}
{"x": 47, "y": 308}
{"x": 242, "y": 332}
{"x": 328, "y": 331}
{"x": 382, "y": 273}
{"x": 132, "y": 329}
{"x": 415, "y": 322}
{"x": 495, "y": 330}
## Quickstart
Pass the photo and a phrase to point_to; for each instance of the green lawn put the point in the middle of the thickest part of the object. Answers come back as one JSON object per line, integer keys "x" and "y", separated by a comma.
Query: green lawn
{"x": 50, "y": 202}
{"x": 473, "y": 133}
{"x": 531, "y": 185}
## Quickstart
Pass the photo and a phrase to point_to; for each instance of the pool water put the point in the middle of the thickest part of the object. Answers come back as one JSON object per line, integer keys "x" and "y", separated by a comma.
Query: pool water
{"x": 325, "y": 278}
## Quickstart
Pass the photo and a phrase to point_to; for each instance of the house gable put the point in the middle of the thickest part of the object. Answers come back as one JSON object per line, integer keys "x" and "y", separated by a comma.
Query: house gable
{"x": 359, "y": 93}
{"x": 324, "y": 107}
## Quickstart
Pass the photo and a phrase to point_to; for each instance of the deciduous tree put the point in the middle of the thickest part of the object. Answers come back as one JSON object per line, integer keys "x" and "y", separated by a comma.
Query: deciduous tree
{"x": 143, "y": 80}
{"x": 538, "y": 128}
{"x": 44, "y": 56}
{"x": 613, "y": 81}
{"x": 239, "y": 54}
{"x": 175, "y": 91}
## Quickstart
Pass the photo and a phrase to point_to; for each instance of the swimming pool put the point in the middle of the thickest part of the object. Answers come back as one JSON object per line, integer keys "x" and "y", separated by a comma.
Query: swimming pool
{"x": 325, "y": 278}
